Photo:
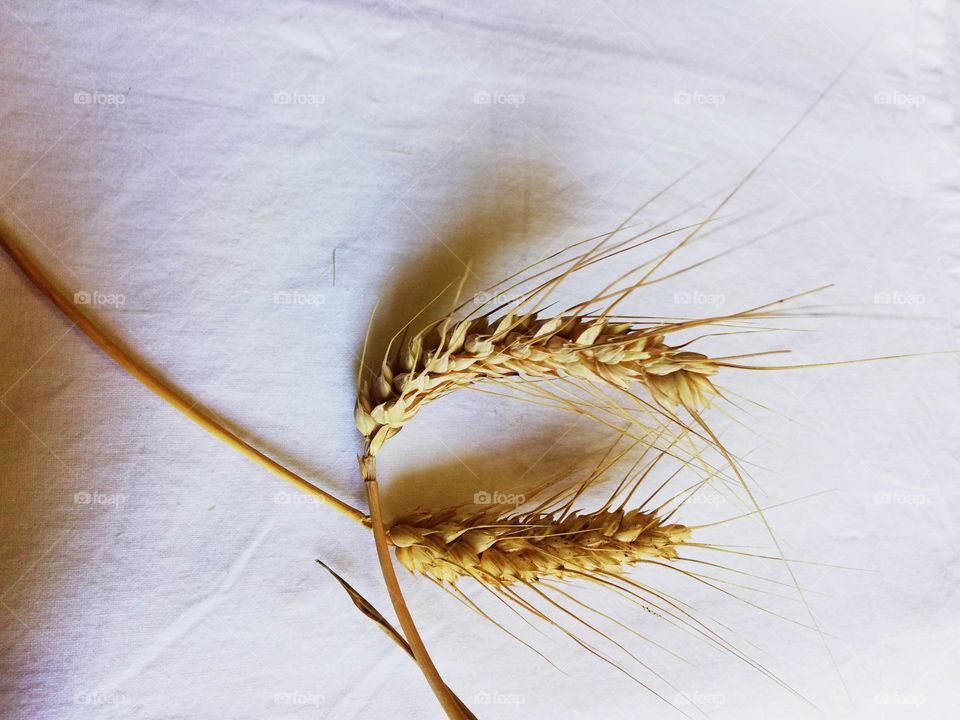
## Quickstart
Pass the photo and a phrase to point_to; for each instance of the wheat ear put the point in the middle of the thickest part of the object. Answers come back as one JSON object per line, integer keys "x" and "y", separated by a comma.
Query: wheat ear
{"x": 541, "y": 553}
{"x": 450, "y": 355}
{"x": 502, "y": 550}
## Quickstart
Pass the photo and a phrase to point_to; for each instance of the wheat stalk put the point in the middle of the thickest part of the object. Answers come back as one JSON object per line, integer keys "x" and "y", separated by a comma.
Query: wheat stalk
{"x": 192, "y": 409}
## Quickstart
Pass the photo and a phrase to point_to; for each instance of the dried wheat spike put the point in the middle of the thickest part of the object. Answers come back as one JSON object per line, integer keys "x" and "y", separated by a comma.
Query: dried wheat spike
{"x": 538, "y": 562}
{"x": 499, "y": 549}
{"x": 439, "y": 359}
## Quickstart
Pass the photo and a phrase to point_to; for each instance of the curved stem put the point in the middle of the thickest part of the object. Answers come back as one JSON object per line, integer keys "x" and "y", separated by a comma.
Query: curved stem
{"x": 453, "y": 707}
{"x": 451, "y": 704}
{"x": 165, "y": 391}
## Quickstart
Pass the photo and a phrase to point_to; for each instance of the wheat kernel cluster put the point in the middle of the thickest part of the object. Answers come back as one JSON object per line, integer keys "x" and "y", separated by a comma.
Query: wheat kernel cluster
{"x": 440, "y": 359}
{"x": 502, "y": 550}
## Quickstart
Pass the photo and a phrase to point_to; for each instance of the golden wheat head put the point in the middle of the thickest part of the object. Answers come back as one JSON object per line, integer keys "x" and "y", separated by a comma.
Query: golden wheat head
{"x": 441, "y": 359}
{"x": 499, "y": 549}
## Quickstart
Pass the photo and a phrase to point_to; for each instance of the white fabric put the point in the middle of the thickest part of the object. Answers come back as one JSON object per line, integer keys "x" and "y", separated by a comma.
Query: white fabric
{"x": 184, "y": 163}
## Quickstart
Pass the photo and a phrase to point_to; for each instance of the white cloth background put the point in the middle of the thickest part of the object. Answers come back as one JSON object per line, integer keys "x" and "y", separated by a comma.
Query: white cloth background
{"x": 199, "y": 157}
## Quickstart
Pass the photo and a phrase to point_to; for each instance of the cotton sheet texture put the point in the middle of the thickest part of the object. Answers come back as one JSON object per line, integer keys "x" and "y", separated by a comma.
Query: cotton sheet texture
{"x": 230, "y": 187}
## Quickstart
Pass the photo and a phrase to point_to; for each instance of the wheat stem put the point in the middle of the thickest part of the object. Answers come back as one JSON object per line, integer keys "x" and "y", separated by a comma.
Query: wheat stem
{"x": 451, "y": 704}
{"x": 449, "y": 701}
{"x": 164, "y": 390}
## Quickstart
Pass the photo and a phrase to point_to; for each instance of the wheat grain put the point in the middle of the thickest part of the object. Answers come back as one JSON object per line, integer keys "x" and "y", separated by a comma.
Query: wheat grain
{"x": 502, "y": 544}
{"x": 503, "y": 550}
{"x": 439, "y": 360}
